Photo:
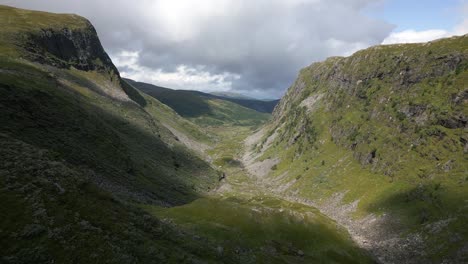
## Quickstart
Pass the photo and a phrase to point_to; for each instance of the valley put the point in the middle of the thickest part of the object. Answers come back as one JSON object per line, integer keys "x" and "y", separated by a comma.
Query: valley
{"x": 253, "y": 225}
{"x": 364, "y": 160}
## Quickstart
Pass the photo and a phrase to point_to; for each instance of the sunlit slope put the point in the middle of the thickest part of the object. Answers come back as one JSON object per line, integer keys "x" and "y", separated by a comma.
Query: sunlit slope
{"x": 385, "y": 128}
{"x": 207, "y": 109}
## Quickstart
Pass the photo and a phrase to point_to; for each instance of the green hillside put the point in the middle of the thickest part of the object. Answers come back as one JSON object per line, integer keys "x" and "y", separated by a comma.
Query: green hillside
{"x": 381, "y": 137}
{"x": 210, "y": 110}
{"x": 79, "y": 147}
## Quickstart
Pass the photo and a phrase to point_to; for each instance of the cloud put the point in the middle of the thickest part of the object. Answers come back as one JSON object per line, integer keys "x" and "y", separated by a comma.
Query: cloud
{"x": 414, "y": 36}
{"x": 253, "y": 47}
{"x": 181, "y": 78}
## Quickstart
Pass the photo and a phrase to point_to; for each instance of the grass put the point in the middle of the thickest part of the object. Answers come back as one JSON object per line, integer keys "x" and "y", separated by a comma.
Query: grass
{"x": 18, "y": 22}
{"x": 209, "y": 110}
{"x": 384, "y": 133}
{"x": 109, "y": 136}
{"x": 54, "y": 212}
{"x": 265, "y": 230}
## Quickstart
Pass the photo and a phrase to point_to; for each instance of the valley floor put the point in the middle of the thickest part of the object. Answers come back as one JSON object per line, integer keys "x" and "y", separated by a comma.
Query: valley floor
{"x": 253, "y": 225}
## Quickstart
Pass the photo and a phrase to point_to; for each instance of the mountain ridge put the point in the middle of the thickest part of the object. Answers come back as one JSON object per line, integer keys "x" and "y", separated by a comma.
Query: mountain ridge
{"x": 381, "y": 133}
{"x": 206, "y": 109}
{"x": 263, "y": 106}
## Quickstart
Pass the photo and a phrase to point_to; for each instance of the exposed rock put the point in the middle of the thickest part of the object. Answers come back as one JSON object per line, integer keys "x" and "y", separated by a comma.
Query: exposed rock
{"x": 78, "y": 48}
{"x": 457, "y": 121}
{"x": 461, "y": 97}
{"x": 447, "y": 166}
{"x": 311, "y": 102}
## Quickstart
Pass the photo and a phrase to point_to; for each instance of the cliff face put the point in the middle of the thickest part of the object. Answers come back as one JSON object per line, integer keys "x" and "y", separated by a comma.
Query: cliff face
{"x": 79, "y": 48}
{"x": 383, "y": 131}
{"x": 416, "y": 91}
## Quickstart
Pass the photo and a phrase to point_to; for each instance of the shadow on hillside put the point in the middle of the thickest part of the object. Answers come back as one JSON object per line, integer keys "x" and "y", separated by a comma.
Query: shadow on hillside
{"x": 125, "y": 158}
{"x": 185, "y": 103}
{"x": 421, "y": 215}
{"x": 422, "y": 203}
{"x": 266, "y": 228}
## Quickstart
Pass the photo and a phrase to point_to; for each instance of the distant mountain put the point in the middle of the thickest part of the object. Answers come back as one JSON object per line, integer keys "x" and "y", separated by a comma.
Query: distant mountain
{"x": 166, "y": 94}
{"x": 208, "y": 109}
{"x": 233, "y": 95}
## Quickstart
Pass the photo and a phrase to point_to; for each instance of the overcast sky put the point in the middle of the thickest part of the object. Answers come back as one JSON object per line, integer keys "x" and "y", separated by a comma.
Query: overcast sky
{"x": 254, "y": 47}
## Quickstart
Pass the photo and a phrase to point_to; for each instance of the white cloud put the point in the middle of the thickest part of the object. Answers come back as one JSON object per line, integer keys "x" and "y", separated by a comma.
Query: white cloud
{"x": 414, "y": 36}
{"x": 183, "y": 77}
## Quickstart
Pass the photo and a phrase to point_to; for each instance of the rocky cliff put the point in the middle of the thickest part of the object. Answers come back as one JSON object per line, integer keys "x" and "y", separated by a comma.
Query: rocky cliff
{"x": 381, "y": 136}
{"x": 79, "y": 48}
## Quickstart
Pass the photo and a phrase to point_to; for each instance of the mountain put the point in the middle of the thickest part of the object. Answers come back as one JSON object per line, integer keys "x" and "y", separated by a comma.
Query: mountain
{"x": 232, "y": 95}
{"x": 208, "y": 109}
{"x": 80, "y": 150}
{"x": 378, "y": 141}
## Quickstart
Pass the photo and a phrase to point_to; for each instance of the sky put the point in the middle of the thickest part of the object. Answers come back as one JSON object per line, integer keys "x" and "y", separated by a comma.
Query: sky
{"x": 252, "y": 47}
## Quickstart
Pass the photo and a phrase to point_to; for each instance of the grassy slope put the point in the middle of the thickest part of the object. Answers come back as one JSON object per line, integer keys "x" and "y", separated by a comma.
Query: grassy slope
{"x": 77, "y": 152}
{"x": 51, "y": 210}
{"x": 205, "y": 109}
{"x": 388, "y": 130}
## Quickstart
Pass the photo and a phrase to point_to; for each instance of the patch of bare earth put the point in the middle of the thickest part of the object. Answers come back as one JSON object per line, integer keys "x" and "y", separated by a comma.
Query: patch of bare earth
{"x": 259, "y": 169}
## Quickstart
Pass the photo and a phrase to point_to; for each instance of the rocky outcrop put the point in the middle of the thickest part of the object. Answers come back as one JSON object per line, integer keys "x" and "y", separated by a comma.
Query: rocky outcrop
{"x": 65, "y": 48}
{"x": 79, "y": 48}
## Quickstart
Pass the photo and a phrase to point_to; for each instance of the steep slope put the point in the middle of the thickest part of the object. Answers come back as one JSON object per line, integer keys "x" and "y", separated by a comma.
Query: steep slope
{"x": 80, "y": 149}
{"x": 378, "y": 141}
{"x": 207, "y": 109}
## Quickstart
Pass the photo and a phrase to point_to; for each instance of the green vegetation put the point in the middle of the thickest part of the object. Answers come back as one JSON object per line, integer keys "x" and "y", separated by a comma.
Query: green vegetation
{"x": 53, "y": 211}
{"x": 249, "y": 225}
{"x": 119, "y": 140}
{"x": 210, "y": 110}
{"x": 388, "y": 129}
{"x": 265, "y": 230}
